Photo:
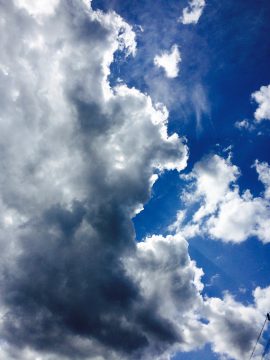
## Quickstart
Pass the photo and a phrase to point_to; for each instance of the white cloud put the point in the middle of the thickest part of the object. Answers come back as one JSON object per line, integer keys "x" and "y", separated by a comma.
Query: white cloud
{"x": 165, "y": 272}
{"x": 263, "y": 170}
{"x": 169, "y": 61}
{"x": 213, "y": 176}
{"x": 38, "y": 7}
{"x": 244, "y": 124}
{"x": 240, "y": 217}
{"x": 224, "y": 213}
{"x": 234, "y": 327}
{"x": 262, "y": 97}
{"x": 193, "y": 12}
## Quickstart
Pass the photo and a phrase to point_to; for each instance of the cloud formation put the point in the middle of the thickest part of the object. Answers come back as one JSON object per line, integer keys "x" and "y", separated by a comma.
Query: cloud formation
{"x": 223, "y": 212}
{"x": 229, "y": 324}
{"x": 192, "y": 13}
{"x": 262, "y": 97}
{"x": 78, "y": 160}
{"x": 169, "y": 61}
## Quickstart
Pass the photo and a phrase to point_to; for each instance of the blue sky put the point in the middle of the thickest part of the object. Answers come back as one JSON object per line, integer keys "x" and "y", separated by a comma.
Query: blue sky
{"x": 135, "y": 181}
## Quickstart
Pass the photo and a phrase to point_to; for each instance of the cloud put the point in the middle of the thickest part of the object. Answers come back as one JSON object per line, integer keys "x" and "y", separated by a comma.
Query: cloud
{"x": 262, "y": 97}
{"x": 244, "y": 125}
{"x": 224, "y": 212}
{"x": 193, "y": 12}
{"x": 171, "y": 281}
{"x": 239, "y": 218}
{"x": 263, "y": 170}
{"x": 78, "y": 160}
{"x": 169, "y": 61}
{"x": 230, "y": 322}
{"x": 38, "y": 8}
{"x": 213, "y": 176}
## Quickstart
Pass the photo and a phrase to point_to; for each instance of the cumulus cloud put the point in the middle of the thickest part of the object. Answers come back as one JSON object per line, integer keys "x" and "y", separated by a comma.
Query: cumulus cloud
{"x": 213, "y": 176}
{"x": 164, "y": 271}
{"x": 229, "y": 324}
{"x": 192, "y": 13}
{"x": 78, "y": 160}
{"x": 262, "y": 97}
{"x": 171, "y": 282}
{"x": 224, "y": 212}
{"x": 169, "y": 61}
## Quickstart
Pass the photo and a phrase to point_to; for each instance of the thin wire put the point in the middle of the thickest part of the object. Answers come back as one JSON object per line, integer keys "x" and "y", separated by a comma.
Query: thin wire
{"x": 258, "y": 338}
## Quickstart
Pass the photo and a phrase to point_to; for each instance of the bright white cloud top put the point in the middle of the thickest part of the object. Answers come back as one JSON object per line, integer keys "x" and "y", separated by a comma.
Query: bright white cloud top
{"x": 224, "y": 212}
{"x": 79, "y": 157}
{"x": 169, "y": 61}
{"x": 192, "y": 13}
{"x": 262, "y": 97}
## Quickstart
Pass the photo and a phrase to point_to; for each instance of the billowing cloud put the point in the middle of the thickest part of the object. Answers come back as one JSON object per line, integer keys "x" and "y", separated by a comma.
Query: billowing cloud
{"x": 169, "y": 61}
{"x": 224, "y": 212}
{"x": 229, "y": 324}
{"x": 262, "y": 97}
{"x": 171, "y": 283}
{"x": 78, "y": 160}
{"x": 170, "y": 280}
{"x": 192, "y": 13}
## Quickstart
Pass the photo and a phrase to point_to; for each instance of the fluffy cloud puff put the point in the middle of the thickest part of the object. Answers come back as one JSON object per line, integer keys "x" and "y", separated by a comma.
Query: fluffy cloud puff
{"x": 169, "y": 61}
{"x": 262, "y": 97}
{"x": 224, "y": 212}
{"x": 192, "y": 13}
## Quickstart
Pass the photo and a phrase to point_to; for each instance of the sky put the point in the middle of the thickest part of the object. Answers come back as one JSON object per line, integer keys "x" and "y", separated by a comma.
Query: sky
{"x": 135, "y": 179}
